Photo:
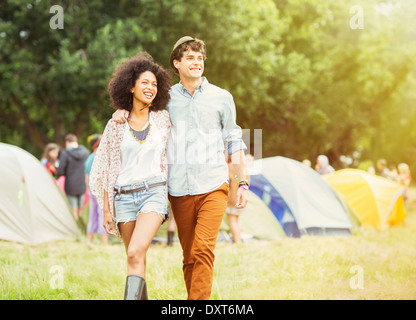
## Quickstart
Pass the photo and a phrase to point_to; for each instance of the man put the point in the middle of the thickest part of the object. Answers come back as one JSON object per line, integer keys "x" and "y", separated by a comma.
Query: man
{"x": 381, "y": 168}
{"x": 203, "y": 117}
{"x": 71, "y": 165}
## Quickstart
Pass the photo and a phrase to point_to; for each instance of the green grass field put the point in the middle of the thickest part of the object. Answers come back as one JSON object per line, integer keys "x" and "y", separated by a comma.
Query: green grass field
{"x": 368, "y": 265}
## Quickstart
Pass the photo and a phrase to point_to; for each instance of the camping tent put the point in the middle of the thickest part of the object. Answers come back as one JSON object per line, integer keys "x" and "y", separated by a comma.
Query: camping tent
{"x": 32, "y": 208}
{"x": 299, "y": 198}
{"x": 377, "y": 201}
{"x": 258, "y": 221}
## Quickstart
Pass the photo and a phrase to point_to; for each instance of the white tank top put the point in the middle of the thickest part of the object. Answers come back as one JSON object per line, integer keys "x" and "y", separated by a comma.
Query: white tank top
{"x": 140, "y": 161}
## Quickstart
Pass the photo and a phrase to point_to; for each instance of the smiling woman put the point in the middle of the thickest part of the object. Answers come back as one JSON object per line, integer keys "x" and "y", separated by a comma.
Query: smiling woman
{"x": 129, "y": 172}
{"x": 144, "y": 90}
{"x": 124, "y": 80}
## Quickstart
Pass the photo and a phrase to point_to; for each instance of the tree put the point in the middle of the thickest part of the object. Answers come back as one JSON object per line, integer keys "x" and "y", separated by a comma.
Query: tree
{"x": 54, "y": 80}
{"x": 298, "y": 70}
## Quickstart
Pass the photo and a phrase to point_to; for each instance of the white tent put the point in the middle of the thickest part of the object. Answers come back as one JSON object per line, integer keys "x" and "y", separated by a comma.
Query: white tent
{"x": 300, "y": 199}
{"x": 32, "y": 208}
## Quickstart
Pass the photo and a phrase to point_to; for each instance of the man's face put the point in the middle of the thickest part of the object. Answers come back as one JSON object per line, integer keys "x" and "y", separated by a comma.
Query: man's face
{"x": 191, "y": 66}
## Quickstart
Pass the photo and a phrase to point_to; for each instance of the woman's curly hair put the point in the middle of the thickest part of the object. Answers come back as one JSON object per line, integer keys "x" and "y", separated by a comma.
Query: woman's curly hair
{"x": 125, "y": 76}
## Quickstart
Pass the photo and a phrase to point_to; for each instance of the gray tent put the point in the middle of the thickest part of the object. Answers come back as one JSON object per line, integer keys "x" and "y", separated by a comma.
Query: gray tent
{"x": 32, "y": 208}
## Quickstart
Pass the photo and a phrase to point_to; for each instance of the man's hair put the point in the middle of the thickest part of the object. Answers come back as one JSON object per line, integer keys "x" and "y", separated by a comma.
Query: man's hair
{"x": 196, "y": 45}
{"x": 70, "y": 137}
{"x": 125, "y": 76}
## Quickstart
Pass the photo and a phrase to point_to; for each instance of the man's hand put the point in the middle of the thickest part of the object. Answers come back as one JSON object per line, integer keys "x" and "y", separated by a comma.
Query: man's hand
{"x": 120, "y": 116}
{"x": 242, "y": 198}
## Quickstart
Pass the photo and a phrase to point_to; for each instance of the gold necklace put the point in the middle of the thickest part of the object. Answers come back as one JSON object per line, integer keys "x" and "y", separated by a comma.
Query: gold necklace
{"x": 140, "y": 136}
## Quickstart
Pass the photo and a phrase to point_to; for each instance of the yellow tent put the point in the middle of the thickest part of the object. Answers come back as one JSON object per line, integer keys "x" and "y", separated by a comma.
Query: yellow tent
{"x": 377, "y": 201}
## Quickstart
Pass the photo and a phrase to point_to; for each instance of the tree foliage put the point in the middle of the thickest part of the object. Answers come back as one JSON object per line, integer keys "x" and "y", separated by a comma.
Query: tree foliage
{"x": 297, "y": 69}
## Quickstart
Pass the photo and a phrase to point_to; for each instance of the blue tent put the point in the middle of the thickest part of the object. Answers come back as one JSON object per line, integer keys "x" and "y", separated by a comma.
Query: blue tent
{"x": 299, "y": 198}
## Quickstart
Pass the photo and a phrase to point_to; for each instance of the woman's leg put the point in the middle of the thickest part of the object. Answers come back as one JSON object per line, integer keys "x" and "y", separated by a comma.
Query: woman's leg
{"x": 126, "y": 230}
{"x": 137, "y": 237}
{"x": 92, "y": 219}
{"x": 234, "y": 227}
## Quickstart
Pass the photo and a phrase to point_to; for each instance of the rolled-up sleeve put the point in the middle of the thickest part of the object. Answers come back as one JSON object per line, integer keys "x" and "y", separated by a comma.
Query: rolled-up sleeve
{"x": 232, "y": 133}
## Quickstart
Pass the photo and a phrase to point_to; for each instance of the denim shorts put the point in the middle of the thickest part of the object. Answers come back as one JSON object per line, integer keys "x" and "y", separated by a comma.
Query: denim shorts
{"x": 235, "y": 211}
{"x": 76, "y": 201}
{"x": 129, "y": 205}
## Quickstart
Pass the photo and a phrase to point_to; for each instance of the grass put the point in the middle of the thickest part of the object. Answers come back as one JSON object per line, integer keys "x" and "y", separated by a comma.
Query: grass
{"x": 370, "y": 264}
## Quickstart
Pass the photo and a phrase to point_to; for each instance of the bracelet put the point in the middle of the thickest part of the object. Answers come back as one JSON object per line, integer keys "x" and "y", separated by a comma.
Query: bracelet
{"x": 244, "y": 186}
{"x": 244, "y": 181}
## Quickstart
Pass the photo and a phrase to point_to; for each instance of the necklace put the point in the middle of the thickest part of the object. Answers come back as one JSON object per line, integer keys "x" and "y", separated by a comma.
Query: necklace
{"x": 142, "y": 135}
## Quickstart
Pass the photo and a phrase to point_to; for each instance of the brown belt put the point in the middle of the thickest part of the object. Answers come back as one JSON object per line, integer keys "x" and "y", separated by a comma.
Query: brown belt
{"x": 119, "y": 191}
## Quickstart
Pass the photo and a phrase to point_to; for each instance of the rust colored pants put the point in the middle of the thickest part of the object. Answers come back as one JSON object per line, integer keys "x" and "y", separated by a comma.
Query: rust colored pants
{"x": 198, "y": 219}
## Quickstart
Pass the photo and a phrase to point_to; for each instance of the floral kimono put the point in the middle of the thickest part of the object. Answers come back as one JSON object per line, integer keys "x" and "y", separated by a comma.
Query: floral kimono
{"x": 107, "y": 162}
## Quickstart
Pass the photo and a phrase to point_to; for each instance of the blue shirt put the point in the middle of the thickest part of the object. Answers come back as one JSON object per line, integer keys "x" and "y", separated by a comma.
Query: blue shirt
{"x": 203, "y": 125}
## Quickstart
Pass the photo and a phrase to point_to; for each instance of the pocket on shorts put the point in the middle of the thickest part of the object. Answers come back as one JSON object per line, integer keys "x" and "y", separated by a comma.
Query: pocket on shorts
{"x": 158, "y": 190}
{"x": 155, "y": 199}
{"x": 123, "y": 202}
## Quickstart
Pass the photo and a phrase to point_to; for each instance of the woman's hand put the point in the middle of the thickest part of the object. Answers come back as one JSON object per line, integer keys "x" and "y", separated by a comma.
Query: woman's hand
{"x": 108, "y": 221}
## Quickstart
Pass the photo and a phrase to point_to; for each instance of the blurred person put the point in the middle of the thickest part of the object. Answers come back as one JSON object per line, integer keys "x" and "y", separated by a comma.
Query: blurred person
{"x": 199, "y": 201}
{"x": 371, "y": 170}
{"x": 129, "y": 172}
{"x": 50, "y": 159}
{"x": 323, "y": 166}
{"x": 171, "y": 230}
{"x": 404, "y": 178}
{"x": 393, "y": 173}
{"x": 381, "y": 169}
{"x": 71, "y": 166}
{"x": 307, "y": 163}
{"x": 233, "y": 213}
{"x": 95, "y": 220}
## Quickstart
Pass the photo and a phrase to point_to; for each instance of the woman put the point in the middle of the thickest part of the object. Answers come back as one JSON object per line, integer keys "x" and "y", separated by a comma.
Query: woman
{"x": 404, "y": 178}
{"x": 95, "y": 219}
{"x": 50, "y": 158}
{"x": 129, "y": 172}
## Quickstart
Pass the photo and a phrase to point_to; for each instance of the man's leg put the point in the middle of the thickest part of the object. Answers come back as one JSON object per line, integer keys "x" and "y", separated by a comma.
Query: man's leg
{"x": 210, "y": 212}
{"x": 183, "y": 209}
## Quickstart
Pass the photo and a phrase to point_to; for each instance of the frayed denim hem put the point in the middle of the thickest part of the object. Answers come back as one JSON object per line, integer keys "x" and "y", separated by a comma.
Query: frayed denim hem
{"x": 162, "y": 217}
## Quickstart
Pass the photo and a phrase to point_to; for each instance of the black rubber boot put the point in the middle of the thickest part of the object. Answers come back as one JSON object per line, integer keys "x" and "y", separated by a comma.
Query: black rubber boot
{"x": 135, "y": 287}
{"x": 144, "y": 293}
{"x": 170, "y": 238}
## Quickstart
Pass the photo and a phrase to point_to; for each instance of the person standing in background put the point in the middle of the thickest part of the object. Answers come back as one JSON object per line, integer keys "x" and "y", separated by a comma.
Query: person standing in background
{"x": 171, "y": 230}
{"x": 323, "y": 166}
{"x": 233, "y": 213}
{"x": 381, "y": 169}
{"x": 404, "y": 178}
{"x": 71, "y": 165}
{"x": 95, "y": 220}
{"x": 50, "y": 159}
